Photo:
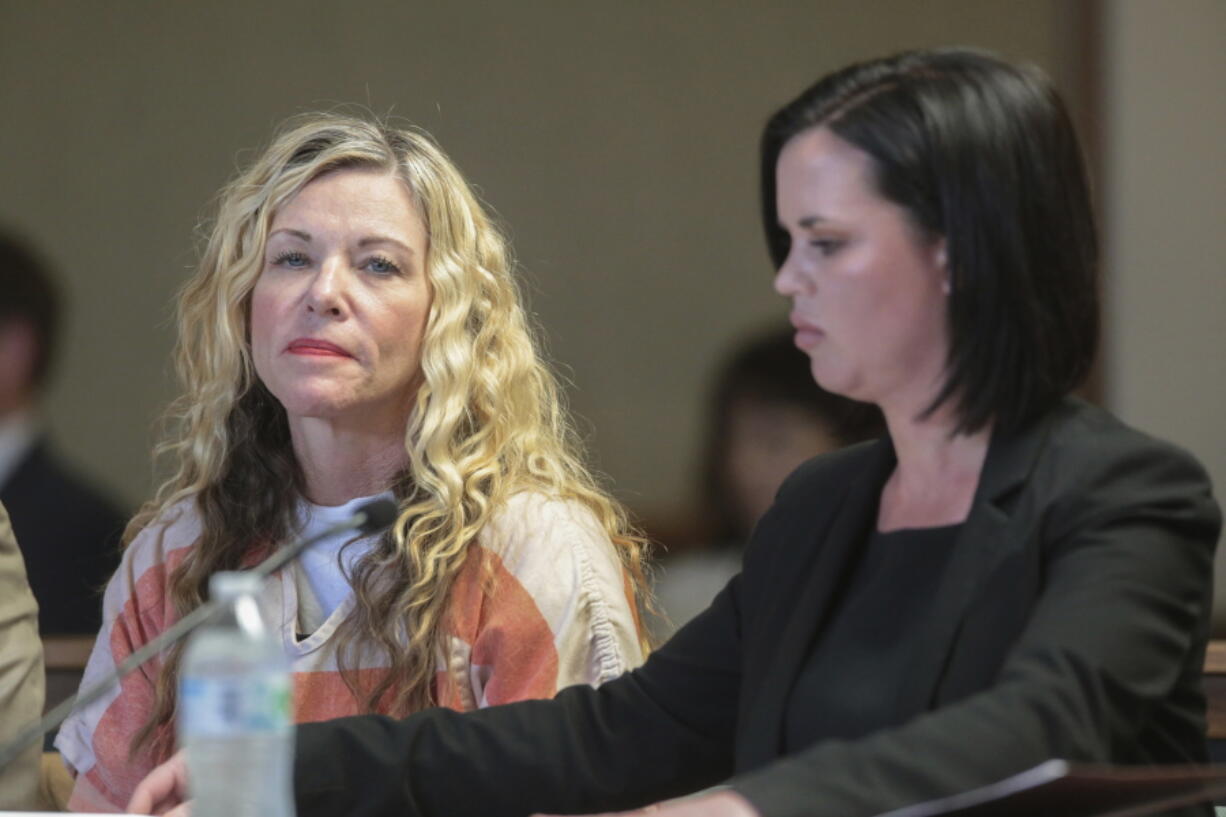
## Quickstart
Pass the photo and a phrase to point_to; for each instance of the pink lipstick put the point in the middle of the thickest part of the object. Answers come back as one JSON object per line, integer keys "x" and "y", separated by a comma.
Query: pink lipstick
{"x": 314, "y": 347}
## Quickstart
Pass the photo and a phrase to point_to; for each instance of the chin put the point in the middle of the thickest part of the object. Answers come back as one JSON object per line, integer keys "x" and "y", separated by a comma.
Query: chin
{"x": 322, "y": 406}
{"x": 834, "y": 380}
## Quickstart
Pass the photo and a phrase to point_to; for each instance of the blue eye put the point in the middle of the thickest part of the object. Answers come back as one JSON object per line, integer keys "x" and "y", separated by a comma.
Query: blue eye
{"x": 382, "y": 265}
{"x": 290, "y": 258}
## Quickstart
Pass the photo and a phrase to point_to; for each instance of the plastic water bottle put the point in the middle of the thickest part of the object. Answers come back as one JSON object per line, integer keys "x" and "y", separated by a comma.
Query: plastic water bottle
{"x": 234, "y": 710}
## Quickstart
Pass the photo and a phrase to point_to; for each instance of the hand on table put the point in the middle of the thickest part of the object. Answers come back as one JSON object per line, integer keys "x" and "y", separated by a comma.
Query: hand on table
{"x": 163, "y": 791}
{"x": 719, "y": 804}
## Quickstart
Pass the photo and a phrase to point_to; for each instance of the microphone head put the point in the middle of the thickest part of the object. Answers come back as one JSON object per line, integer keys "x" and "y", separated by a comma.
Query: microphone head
{"x": 380, "y": 513}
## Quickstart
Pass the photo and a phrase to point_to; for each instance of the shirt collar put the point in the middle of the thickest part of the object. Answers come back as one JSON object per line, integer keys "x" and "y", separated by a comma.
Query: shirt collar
{"x": 18, "y": 433}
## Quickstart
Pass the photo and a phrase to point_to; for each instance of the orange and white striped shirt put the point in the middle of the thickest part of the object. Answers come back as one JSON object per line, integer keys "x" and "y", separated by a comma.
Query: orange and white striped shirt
{"x": 540, "y": 604}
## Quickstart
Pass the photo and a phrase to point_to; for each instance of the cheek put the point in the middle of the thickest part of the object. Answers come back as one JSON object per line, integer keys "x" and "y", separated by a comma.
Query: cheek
{"x": 399, "y": 334}
{"x": 262, "y": 321}
{"x": 868, "y": 296}
{"x": 855, "y": 308}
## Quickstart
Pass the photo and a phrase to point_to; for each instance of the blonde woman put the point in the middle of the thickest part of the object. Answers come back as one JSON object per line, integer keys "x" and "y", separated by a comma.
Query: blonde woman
{"x": 354, "y": 330}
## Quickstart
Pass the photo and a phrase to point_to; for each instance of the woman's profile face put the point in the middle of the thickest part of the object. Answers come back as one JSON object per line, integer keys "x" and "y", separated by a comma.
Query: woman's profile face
{"x": 339, "y": 310}
{"x": 868, "y": 292}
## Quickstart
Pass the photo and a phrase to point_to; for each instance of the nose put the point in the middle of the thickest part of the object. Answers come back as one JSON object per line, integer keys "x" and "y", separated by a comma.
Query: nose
{"x": 789, "y": 282}
{"x": 326, "y": 293}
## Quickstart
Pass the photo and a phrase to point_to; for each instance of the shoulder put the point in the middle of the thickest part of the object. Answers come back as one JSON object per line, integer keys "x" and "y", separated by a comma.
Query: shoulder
{"x": 559, "y": 553}
{"x": 1092, "y": 461}
{"x": 1098, "y": 496}
{"x": 8, "y": 542}
{"x": 16, "y": 601}
{"x": 533, "y": 527}
{"x": 146, "y": 563}
{"x": 832, "y": 472}
{"x": 43, "y": 471}
{"x": 815, "y": 492}
{"x": 175, "y": 528}
{"x": 554, "y": 547}
{"x": 1086, "y": 436}
{"x": 60, "y": 508}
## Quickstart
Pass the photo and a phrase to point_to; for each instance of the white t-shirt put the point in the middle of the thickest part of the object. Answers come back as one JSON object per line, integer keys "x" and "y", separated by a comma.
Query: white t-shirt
{"x": 318, "y": 575}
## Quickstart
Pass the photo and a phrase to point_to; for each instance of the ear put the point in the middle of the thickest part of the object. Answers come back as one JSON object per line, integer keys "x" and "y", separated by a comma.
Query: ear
{"x": 940, "y": 260}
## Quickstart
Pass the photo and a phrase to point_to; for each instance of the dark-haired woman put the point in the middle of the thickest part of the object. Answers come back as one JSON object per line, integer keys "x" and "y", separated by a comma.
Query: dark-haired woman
{"x": 1012, "y": 575}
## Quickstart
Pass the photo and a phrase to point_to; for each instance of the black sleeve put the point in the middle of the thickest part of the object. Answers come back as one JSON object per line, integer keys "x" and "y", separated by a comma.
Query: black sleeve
{"x": 662, "y": 730}
{"x": 1120, "y": 623}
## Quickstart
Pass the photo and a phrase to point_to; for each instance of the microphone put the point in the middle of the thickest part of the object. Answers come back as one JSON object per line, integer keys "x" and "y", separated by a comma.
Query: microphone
{"x": 369, "y": 518}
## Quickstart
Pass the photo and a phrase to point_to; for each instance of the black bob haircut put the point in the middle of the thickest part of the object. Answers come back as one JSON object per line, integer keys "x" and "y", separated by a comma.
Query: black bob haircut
{"x": 27, "y": 292}
{"x": 982, "y": 153}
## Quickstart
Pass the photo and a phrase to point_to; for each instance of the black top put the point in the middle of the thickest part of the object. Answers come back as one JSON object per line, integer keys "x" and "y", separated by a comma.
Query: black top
{"x": 849, "y": 684}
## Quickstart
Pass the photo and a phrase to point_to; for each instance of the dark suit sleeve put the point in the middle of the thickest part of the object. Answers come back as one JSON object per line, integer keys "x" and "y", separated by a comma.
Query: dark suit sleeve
{"x": 1127, "y": 549}
{"x": 660, "y": 731}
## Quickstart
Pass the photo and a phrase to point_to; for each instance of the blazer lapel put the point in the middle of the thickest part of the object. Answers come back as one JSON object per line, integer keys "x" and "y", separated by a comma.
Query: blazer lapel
{"x": 825, "y": 573}
{"x": 986, "y": 537}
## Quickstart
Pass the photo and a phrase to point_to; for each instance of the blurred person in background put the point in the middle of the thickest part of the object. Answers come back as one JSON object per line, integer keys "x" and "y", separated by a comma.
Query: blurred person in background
{"x": 68, "y": 529}
{"x": 766, "y": 417}
{"x": 354, "y": 331}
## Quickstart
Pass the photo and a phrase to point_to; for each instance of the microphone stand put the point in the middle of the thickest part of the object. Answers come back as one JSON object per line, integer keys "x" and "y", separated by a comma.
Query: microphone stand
{"x": 369, "y": 518}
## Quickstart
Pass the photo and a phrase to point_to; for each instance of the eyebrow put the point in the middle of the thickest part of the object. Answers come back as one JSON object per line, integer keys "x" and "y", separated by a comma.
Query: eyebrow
{"x": 362, "y": 243}
{"x": 295, "y": 233}
{"x": 383, "y": 239}
{"x": 811, "y": 221}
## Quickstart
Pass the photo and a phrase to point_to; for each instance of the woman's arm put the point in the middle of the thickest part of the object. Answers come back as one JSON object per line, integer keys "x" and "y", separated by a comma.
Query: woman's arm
{"x": 663, "y": 730}
{"x": 541, "y": 605}
{"x": 715, "y": 804}
{"x": 96, "y": 741}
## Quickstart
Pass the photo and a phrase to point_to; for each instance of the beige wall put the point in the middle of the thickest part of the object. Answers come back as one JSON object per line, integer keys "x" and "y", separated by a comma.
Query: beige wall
{"x": 616, "y": 139}
{"x": 1166, "y": 217}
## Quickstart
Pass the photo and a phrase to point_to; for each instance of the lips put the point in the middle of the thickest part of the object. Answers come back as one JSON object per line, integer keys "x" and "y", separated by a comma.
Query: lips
{"x": 315, "y": 347}
{"x": 807, "y": 334}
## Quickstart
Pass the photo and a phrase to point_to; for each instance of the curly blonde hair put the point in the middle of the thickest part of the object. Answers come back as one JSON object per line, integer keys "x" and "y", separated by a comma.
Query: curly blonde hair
{"x": 487, "y": 422}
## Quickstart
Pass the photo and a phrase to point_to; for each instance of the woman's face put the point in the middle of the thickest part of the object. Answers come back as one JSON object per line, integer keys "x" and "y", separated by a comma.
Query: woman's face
{"x": 868, "y": 291}
{"x": 339, "y": 310}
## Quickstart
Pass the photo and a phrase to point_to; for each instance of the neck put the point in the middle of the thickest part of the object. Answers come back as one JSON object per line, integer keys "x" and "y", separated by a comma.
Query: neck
{"x": 938, "y": 470}
{"x": 340, "y": 463}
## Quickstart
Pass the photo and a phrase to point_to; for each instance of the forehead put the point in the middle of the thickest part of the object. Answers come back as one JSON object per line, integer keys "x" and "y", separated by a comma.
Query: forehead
{"x": 366, "y": 199}
{"x": 819, "y": 174}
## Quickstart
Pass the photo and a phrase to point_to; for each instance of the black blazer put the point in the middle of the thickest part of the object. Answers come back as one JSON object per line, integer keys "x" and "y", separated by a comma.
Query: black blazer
{"x": 1071, "y": 622}
{"x": 69, "y": 535}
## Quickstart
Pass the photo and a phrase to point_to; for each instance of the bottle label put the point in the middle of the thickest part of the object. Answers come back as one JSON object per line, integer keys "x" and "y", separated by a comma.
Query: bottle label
{"x": 223, "y": 706}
